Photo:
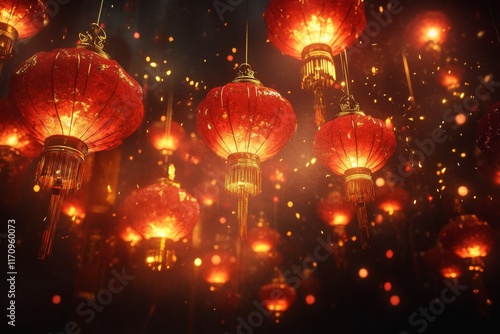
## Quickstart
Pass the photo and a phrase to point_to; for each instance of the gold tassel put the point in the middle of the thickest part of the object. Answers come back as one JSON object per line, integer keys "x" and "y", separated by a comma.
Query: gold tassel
{"x": 55, "y": 205}
{"x": 319, "y": 106}
{"x": 243, "y": 178}
{"x": 160, "y": 254}
{"x": 363, "y": 224}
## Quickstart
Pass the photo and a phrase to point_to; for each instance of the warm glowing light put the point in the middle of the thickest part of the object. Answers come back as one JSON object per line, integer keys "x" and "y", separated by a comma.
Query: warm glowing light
{"x": 389, "y": 254}
{"x": 379, "y": 182}
{"x": 363, "y": 273}
{"x": 460, "y": 119}
{"x": 395, "y": 300}
{"x": 390, "y": 206}
{"x": 56, "y": 299}
{"x": 310, "y": 299}
{"x": 463, "y": 191}
{"x": 387, "y": 286}
{"x": 130, "y": 235}
{"x": 197, "y": 262}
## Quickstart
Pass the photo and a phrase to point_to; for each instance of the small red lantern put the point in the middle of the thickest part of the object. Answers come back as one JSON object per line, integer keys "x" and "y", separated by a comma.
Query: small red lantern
{"x": 468, "y": 236}
{"x": 19, "y": 19}
{"x": 162, "y": 213}
{"x": 335, "y": 211}
{"x": 246, "y": 124}
{"x": 262, "y": 239}
{"x": 277, "y": 296}
{"x": 428, "y": 29}
{"x": 355, "y": 145}
{"x": 391, "y": 199}
{"x": 74, "y": 101}
{"x": 314, "y": 31}
{"x": 166, "y": 137}
{"x": 488, "y": 134}
{"x": 218, "y": 266}
{"x": 443, "y": 261}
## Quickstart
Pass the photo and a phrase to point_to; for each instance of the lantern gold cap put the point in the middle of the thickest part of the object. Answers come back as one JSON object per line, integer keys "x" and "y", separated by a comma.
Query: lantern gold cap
{"x": 349, "y": 106}
{"x": 94, "y": 40}
{"x": 8, "y": 36}
{"x": 246, "y": 74}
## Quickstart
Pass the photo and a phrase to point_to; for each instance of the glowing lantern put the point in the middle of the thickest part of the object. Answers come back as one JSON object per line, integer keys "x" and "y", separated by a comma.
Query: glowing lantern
{"x": 428, "y": 29}
{"x": 488, "y": 134}
{"x": 75, "y": 101}
{"x": 161, "y": 213}
{"x": 467, "y": 236}
{"x": 391, "y": 200}
{"x": 245, "y": 123}
{"x": 164, "y": 137}
{"x": 336, "y": 212}
{"x": 450, "y": 77}
{"x": 314, "y": 31}
{"x": 218, "y": 266}
{"x": 447, "y": 263}
{"x": 277, "y": 296}
{"x": 355, "y": 145}
{"x": 262, "y": 239}
{"x": 19, "y": 19}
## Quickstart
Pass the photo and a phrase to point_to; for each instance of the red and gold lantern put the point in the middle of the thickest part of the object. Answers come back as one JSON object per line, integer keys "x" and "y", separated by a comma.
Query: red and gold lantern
{"x": 74, "y": 101}
{"x": 277, "y": 296}
{"x": 314, "y": 31}
{"x": 166, "y": 137}
{"x": 355, "y": 145}
{"x": 161, "y": 213}
{"x": 19, "y": 19}
{"x": 335, "y": 211}
{"x": 246, "y": 124}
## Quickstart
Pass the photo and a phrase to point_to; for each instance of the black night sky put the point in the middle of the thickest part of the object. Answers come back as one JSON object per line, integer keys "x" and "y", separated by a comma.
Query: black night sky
{"x": 200, "y": 44}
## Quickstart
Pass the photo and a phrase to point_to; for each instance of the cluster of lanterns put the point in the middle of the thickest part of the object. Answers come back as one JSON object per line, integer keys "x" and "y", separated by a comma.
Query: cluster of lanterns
{"x": 77, "y": 100}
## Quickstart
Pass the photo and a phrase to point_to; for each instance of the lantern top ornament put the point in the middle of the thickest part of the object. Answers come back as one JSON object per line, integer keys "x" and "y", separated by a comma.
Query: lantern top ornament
{"x": 94, "y": 40}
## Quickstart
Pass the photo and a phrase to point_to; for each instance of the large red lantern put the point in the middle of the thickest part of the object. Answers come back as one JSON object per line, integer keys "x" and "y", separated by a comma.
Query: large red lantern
{"x": 161, "y": 213}
{"x": 245, "y": 123}
{"x": 355, "y": 145}
{"x": 488, "y": 134}
{"x": 314, "y": 31}
{"x": 75, "y": 101}
{"x": 19, "y": 19}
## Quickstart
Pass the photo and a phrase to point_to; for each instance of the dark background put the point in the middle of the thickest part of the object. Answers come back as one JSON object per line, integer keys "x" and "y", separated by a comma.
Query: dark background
{"x": 179, "y": 300}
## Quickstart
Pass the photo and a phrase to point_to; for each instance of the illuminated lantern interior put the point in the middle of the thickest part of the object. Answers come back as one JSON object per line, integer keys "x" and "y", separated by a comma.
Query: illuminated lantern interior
{"x": 467, "y": 236}
{"x": 444, "y": 262}
{"x": 277, "y": 296}
{"x": 246, "y": 124}
{"x": 263, "y": 239}
{"x": 314, "y": 31}
{"x": 391, "y": 199}
{"x": 355, "y": 145}
{"x": 166, "y": 138}
{"x": 335, "y": 211}
{"x": 19, "y": 19}
{"x": 218, "y": 266}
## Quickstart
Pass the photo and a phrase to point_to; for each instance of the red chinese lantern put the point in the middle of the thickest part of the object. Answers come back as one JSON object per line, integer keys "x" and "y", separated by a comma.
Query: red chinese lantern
{"x": 314, "y": 31}
{"x": 262, "y": 239}
{"x": 355, "y": 145}
{"x": 428, "y": 29}
{"x": 443, "y": 261}
{"x": 335, "y": 211}
{"x": 277, "y": 296}
{"x": 246, "y": 124}
{"x": 75, "y": 101}
{"x": 218, "y": 266}
{"x": 488, "y": 134}
{"x": 166, "y": 137}
{"x": 19, "y": 19}
{"x": 468, "y": 236}
{"x": 161, "y": 213}
{"x": 391, "y": 199}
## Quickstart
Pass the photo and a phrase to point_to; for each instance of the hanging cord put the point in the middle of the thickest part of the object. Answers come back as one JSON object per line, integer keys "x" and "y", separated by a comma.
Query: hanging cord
{"x": 345, "y": 71}
{"x": 100, "y": 11}
{"x": 246, "y": 33}
{"x": 493, "y": 20}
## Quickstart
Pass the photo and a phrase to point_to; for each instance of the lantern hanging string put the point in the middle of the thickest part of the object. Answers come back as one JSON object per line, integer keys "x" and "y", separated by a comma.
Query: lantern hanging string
{"x": 100, "y": 12}
{"x": 493, "y": 20}
{"x": 345, "y": 71}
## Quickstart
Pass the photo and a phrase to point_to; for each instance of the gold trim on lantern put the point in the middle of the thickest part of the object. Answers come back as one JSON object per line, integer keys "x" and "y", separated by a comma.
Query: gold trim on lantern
{"x": 317, "y": 66}
{"x": 243, "y": 174}
{"x": 8, "y": 37}
{"x": 359, "y": 184}
{"x": 160, "y": 255}
{"x": 94, "y": 40}
{"x": 62, "y": 159}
